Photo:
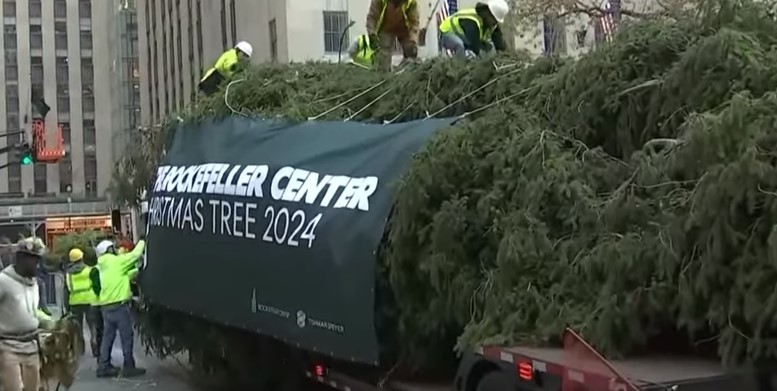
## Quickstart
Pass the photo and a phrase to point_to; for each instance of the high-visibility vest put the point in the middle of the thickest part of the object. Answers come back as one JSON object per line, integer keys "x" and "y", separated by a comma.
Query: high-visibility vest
{"x": 405, "y": 7}
{"x": 451, "y": 24}
{"x": 80, "y": 287}
{"x": 365, "y": 55}
{"x": 224, "y": 64}
{"x": 115, "y": 273}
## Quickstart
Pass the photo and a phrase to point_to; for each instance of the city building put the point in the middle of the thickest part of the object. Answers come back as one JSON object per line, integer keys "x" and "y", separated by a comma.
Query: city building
{"x": 81, "y": 57}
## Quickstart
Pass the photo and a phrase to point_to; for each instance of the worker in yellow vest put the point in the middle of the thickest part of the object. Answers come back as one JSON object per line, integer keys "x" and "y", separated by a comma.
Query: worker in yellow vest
{"x": 389, "y": 21}
{"x": 362, "y": 51}
{"x": 81, "y": 297}
{"x": 471, "y": 31}
{"x": 225, "y": 67}
{"x": 116, "y": 272}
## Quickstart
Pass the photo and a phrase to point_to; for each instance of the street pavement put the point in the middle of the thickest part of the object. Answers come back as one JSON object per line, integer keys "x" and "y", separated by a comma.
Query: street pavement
{"x": 165, "y": 375}
{"x": 162, "y": 375}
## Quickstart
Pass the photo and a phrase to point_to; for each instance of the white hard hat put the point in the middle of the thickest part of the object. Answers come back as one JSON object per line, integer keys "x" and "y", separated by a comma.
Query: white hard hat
{"x": 245, "y": 47}
{"x": 499, "y": 9}
{"x": 103, "y": 247}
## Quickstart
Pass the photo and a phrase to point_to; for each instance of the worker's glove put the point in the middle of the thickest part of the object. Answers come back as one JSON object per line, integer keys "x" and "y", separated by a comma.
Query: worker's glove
{"x": 470, "y": 54}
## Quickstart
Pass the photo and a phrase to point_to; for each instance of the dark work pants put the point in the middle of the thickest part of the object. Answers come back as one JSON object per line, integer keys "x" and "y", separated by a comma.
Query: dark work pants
{"x": 94, "y": 320}
{"x": 117, "y": 318}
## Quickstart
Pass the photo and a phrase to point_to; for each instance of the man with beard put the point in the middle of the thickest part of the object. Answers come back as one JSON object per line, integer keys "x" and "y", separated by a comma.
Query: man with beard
{"x": 21, "y": 318}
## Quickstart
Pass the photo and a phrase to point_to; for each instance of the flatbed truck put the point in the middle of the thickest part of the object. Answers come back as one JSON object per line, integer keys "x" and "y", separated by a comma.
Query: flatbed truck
{"x": 519, "y": 368}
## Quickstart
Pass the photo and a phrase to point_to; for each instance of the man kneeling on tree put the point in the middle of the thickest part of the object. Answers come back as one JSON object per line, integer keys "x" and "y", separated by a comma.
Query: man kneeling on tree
{"x": 471, "y": 31}
{"x": 389, "y": 21}
{"x": 225, "y": 67}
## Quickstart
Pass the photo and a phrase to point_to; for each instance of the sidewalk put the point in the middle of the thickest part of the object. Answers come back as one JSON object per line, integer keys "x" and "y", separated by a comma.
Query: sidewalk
{"x": 162, "y": 375}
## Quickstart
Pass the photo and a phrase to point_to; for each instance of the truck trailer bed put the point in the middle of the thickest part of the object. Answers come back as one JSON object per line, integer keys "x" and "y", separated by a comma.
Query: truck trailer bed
{"x": 647, "y": 370}
{"x": 544, "y": 368}
{"x": 655, "y": 372}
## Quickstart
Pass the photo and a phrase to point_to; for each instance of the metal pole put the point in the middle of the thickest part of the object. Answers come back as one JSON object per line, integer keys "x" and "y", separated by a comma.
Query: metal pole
{"x": 6, "y": 134}
{"x": 342, "y": 37}
{"x": 6, "y": 165}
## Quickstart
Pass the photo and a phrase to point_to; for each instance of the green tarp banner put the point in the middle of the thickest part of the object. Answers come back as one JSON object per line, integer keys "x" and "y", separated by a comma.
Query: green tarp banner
{"x": 274, "y": 227}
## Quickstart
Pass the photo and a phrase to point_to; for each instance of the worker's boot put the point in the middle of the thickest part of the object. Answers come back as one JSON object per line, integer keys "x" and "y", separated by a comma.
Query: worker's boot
{"x": 132, "y": 372}
{"x": 111, "y": 371}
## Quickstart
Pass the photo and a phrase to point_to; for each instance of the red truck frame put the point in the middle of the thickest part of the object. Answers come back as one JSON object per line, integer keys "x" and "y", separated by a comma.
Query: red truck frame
{"x": 576, "y": 367}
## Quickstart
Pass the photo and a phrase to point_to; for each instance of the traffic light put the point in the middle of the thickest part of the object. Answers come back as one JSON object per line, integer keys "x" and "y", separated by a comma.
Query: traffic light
{"x": 26, "y": 155}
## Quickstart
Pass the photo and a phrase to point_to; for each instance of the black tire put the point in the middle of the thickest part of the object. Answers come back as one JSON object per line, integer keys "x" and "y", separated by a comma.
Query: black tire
{"x": 496, "y": 381}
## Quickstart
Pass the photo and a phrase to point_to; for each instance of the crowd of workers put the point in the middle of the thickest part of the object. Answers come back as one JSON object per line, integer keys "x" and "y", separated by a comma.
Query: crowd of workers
{"x": 98, "y": 295}
{"x": 468, "y": 33}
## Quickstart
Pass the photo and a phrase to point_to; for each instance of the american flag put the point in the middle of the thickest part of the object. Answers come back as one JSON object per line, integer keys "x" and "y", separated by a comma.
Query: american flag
{"x": 609, "y": 20}
{"x": 447, "y": 8}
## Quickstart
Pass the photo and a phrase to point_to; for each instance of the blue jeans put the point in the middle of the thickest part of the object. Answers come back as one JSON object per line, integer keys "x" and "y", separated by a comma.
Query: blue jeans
{"x": 454, "y": 43}
{"x": 117, "y": 318}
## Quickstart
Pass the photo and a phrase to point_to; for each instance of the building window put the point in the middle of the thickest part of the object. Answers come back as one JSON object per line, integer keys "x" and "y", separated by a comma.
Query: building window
{"x": 63, "y": 104}
{"x": 60, "y": 9}
{"x": 87, "y": 71}
{"x": 63, "y": 95}
{"x": 39, "y": 175}
{"x": 66, "y": 135}
{"x": 36, "y": 70}
{"x": 12, "y": 99}
{"x": 174, "y": 83}
{"x": 90, "y": 137}
{"x": 36, "y": 37}
{"x": 180, "y": 35}
{"x": 66, "y": 164}
{"x": 85, "y": 9}
{"x": 35, "y": 11}
{"x": 199, "y": 37}
{"x": 14, "y": 178}
{"x": 62, "y": 70}
{"x": 86, "y": 40}
{"x": 36, "y": 93}
{"x": 11, "y": 73}
{"x": 9, "y": 9}
{"x": 335, "y": 22}
{"x": 60, "y": 35}
{"x": 90, "y": 175}
{"x": 233, "y": 24}
{"x": 223, "y": 25}
{"x": 12, "y": 122}
{"x": 14, "y": 170}
{"x": 88, "y": 100}
{"x": 273, "y": 41}
{"x": 65, "y": 172}
{"x": 9, "y": 36}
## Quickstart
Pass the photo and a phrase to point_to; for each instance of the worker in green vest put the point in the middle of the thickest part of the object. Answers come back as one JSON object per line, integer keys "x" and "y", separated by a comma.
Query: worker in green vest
{"x": 116, "y": 272}
{"x": 225, "y": 67}
{"x": 470, "y": 32}
{"x": 389, "y": 21}
{"x": 362, "y": 51}
{"x": 82, "y": 298}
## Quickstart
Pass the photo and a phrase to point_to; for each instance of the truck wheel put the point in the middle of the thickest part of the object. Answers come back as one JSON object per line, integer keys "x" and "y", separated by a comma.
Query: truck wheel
{"x": 495, "y": 381}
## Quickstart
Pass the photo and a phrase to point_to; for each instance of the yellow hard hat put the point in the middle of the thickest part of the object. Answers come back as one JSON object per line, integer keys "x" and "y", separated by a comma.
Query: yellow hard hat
{"x": 76, "y": 255}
